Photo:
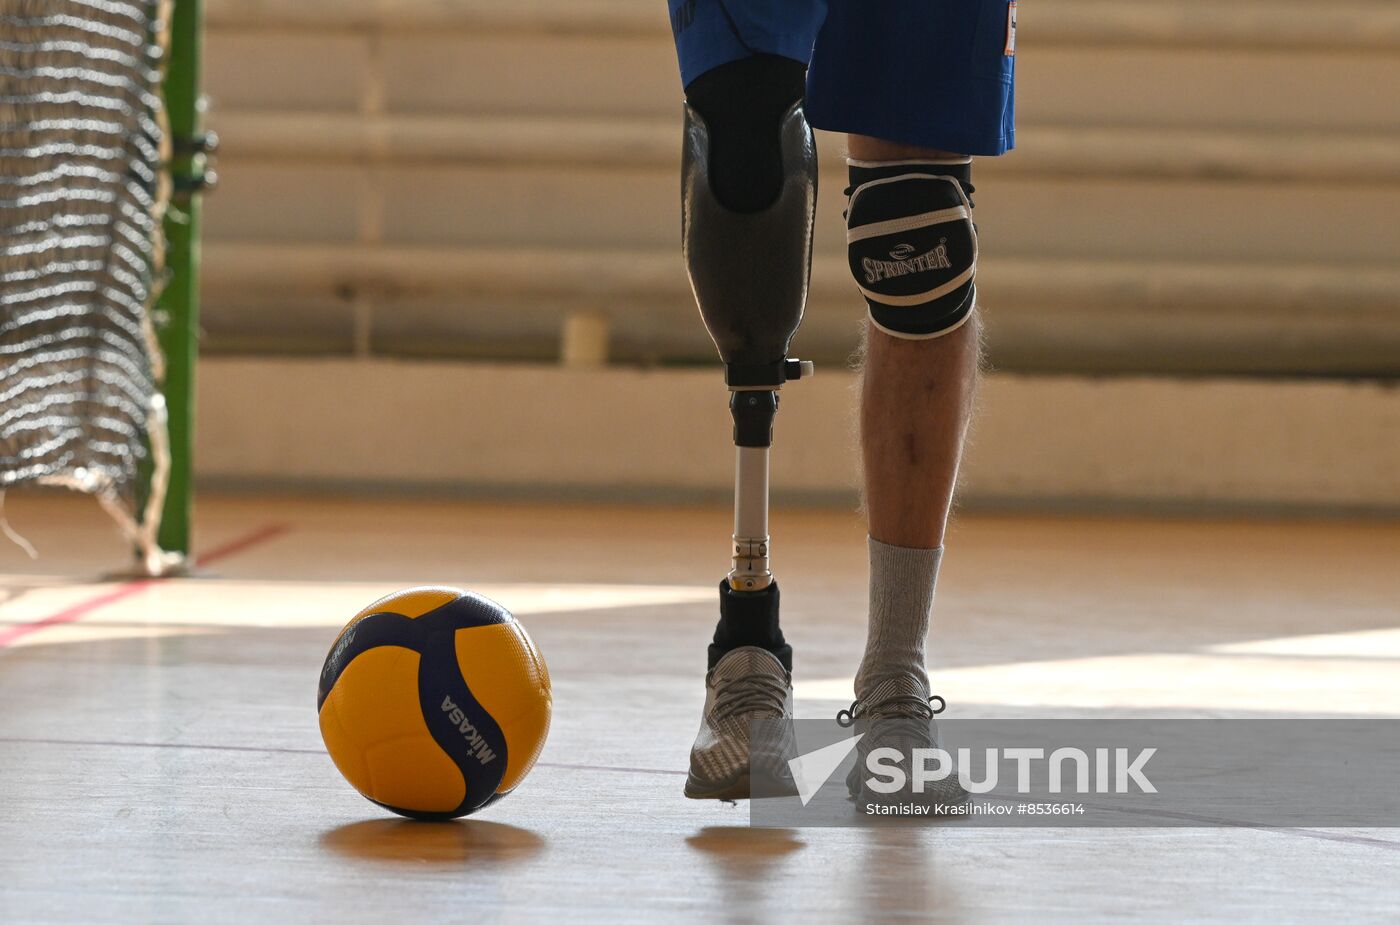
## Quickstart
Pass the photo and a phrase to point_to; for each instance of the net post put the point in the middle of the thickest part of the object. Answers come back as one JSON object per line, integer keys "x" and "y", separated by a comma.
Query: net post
{"x": 179, "y": 300}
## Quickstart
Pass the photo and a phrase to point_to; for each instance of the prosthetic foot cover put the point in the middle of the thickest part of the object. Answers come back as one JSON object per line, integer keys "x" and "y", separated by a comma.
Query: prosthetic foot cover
{"x": 750, "y": 270}
{"x": 749, "y": 618}
{"x": 912, "y": 244}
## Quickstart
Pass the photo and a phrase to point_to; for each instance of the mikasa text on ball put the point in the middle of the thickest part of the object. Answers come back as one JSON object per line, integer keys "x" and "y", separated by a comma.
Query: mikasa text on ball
{"x": 434, "y": 702}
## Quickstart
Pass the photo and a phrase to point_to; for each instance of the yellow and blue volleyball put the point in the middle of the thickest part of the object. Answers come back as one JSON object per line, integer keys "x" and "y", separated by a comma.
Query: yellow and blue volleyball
{"x": 434, "y": 702}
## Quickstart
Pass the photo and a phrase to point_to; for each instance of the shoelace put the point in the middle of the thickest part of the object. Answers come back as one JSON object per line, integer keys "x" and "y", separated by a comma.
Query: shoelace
{"x": 750, "y": 694}
{"x": 905, "y": 706}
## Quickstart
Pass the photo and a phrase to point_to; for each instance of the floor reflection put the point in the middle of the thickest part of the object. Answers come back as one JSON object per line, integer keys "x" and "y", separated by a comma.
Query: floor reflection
{"x": 747, "y": 863}
{"x": 464, "y": 841}
{"x": 902, "y": 873}
{"x": 744, "y": 847}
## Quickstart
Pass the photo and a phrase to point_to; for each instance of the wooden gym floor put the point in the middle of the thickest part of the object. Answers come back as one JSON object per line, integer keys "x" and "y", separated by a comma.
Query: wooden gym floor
{"x": 160, "y": 761}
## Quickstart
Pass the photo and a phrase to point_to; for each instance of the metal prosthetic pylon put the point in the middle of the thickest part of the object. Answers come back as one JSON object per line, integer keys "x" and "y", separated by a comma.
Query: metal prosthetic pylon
{"x": 753, "y": 410}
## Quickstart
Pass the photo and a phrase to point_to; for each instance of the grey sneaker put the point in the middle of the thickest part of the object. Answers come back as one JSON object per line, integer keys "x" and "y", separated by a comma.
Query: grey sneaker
{"x": 898, "y": 713}
{"x": 748, "y": 685}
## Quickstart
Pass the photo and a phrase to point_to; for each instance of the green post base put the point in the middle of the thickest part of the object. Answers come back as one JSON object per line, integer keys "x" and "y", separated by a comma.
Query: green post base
{"x": 178, "y": 307}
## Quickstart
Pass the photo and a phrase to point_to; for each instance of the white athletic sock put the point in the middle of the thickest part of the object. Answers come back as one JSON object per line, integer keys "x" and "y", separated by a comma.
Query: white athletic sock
{"x": 901, "y": 599}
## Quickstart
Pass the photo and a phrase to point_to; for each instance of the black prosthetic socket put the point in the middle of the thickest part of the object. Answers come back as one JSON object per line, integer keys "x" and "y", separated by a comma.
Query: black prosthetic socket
{"x": 743, "y": 103}
{"x": 749, "y": 618}
{"x": 960, "y": 172}
{"x": 750, "y": 270}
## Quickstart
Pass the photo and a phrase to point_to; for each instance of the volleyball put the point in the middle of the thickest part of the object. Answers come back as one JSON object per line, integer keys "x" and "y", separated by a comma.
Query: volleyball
{"x": 434, "y": 702}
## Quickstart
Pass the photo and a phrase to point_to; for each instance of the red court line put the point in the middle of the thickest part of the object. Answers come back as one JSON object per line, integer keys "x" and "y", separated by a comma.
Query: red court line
{"x": 75, "y": 612}
{"x": 234, "y": 546}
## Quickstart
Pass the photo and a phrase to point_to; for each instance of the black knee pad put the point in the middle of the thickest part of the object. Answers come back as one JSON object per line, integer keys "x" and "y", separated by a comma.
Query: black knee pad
{"x": 912, "y": 245}
{"x": 743, "y": 103}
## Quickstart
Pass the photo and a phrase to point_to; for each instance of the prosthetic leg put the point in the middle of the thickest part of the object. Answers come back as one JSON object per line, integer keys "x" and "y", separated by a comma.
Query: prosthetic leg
{"x": 748, "y": 196}
{"x": 750, "y": 272}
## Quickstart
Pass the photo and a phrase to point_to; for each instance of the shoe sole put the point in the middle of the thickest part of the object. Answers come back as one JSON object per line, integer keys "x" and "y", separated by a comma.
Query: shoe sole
{"x": 738, "y": 789}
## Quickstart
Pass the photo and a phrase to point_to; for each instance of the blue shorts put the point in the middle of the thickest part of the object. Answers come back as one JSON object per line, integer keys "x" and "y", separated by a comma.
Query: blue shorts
{"x": 933, "y": 73}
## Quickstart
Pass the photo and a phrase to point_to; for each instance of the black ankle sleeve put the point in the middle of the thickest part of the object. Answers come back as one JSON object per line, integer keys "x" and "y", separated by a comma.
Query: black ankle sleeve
{"x": 749, "y": 618}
